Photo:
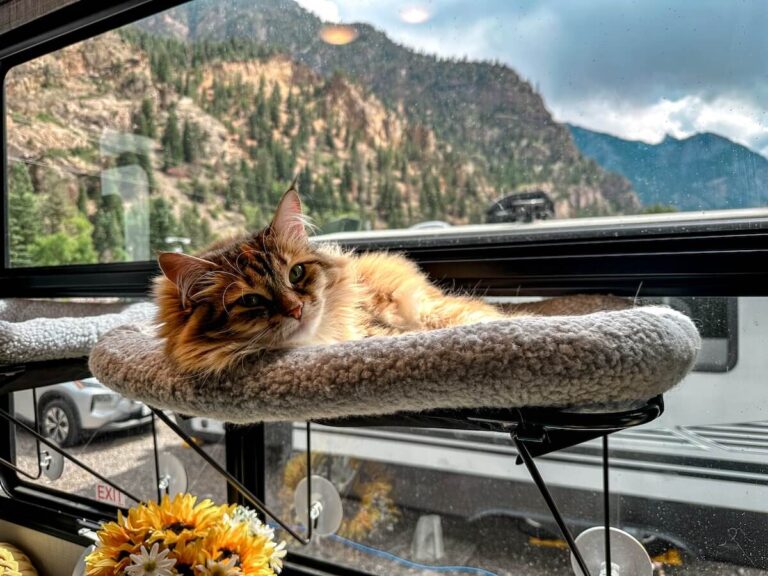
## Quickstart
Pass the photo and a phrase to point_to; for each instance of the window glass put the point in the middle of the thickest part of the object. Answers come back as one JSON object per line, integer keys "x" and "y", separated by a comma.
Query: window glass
{"x": 689, "y": 485}
{"x": 717, "y": 321}
{"x": 114, "y": 436}
{"x": 187, "y": 126}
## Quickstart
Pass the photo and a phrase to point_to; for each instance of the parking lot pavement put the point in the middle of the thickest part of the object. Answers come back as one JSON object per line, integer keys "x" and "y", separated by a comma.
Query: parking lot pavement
{"x": 127, "y": 459}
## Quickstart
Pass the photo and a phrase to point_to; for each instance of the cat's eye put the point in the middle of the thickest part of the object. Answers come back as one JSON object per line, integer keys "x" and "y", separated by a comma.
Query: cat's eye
{"x": 296, "y": 273}
{"x": 254, "y": 301}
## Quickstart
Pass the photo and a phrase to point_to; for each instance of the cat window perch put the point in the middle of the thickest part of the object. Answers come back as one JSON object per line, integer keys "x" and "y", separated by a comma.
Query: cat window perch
{"x": 548, "y": 381}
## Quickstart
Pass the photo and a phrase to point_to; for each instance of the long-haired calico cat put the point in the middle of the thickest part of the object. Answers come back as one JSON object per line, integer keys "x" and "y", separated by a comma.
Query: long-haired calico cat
{"x": 275, "y": 290}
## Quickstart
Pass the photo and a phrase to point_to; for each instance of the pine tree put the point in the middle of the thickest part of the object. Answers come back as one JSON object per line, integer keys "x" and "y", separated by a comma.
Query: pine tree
{"x": 108, "y": 229}
{"x": 290, "y": 125}
{"x": 127, "y": 158}
{"x": 162, "y": 224}
{"x": 55, "y": 208}
{"x": 390, "y": 205}
{"x": 283, "y": 162}
{"x": 264, "y": 176}
{"x": 190, "y": 141}
{"x": 235, "y": 192}
{"x": 275, "y": 99}
{"x": 199, "y": 192}
{"x": 82, "y": 199}
{"x": 23, "y": 218}
{"x": 144, "y": 119}
{"x": 346, "y": 189}
{"x": 144, "y": 160}
{"x": 305, "y": 126}
{"x": 305, "y": 184}
{"x": 251, "y": 185}
{"x": 261, "y": 94}
{"x": 195, "y": 227}
{"x": 162, "y": 66}
{"x": 290, "y": 103}
{"x": 262, "y": 106}
{"x": 173, "y": 153}
{"x": 329, "y": 140}
{"x": 324, "y": 200}
{"x": 432, "y": 207}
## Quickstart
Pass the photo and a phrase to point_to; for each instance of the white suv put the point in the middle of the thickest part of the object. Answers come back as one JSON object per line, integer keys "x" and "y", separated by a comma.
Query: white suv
{"x": 67, "y": 410}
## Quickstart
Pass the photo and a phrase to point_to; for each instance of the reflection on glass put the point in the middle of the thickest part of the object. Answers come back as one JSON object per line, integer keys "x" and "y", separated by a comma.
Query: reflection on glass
{"x": 113, "y": 435}
{"x": 415, "y": 14}
{"x": 188, "y": 125}
{"x": 338, "y": 34}
{"x": 416, "y": 499}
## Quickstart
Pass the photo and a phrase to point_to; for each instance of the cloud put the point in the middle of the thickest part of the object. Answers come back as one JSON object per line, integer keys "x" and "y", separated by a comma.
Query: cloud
{"x": 677, "y": 65}
{"x": 326, "y": 10}
{"x": 742, "y": 122}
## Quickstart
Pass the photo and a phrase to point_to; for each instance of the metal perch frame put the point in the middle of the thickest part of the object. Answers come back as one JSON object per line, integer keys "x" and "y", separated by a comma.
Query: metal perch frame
{"x": 533, "y": 431}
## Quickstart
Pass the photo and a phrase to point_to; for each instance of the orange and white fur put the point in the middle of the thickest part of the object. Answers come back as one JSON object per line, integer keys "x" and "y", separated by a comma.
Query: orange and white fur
{"x": 276, "y": 289}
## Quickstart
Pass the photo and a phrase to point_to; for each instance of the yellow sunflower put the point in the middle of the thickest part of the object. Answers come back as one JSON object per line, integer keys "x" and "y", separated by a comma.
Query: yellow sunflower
{"x": 117, "y": 541}
{"x": 188, "y": 554}
{"x": 172, "y": 518}
{"x": 253, "y": 552}
{"x": 191, "y": 534}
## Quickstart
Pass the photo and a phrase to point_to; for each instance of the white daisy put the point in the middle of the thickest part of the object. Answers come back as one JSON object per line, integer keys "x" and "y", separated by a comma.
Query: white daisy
{"x": 220, "y": 568}
{"x": 276, "y": 558}
{"x": 152, "y": 563}
{"x": 250, "y": 517}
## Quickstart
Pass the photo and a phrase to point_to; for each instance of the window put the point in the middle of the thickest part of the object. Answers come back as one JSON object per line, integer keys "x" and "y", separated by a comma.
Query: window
{"x": 532, "y": 149}
{"x": 186, "y": 126}
{"x": 416, "y": 498}
{"x": 115, "y": 437}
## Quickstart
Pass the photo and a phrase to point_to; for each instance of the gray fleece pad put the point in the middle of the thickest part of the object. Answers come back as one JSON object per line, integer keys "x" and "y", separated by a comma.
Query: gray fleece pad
{"x": 37, "y": 330}
{"x": 605, "y": 357}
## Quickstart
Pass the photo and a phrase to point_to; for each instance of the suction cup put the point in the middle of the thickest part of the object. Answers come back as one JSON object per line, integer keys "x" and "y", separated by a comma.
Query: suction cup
{"x": 79, "y": 569}
{"x": 173, "y": 475}
{"x": 324, "y": 510}
{"x": 51, "y": 463}
{"x": 628, "y": 556}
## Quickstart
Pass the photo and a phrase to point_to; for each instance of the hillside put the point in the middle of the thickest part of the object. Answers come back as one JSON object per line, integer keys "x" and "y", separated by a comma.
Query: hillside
{"x": 192, "y": 123}
{"x": 702, "y": 172}
{"x": 481, "y": 110}
{"x": 218, "y": 147}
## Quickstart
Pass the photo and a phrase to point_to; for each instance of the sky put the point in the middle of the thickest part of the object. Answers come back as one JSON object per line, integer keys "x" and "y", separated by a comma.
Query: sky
{"x": 638, "y": 69}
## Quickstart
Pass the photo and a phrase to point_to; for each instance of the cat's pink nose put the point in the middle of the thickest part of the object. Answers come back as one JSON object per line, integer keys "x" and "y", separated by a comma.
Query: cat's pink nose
{"x": 296, "y": 312}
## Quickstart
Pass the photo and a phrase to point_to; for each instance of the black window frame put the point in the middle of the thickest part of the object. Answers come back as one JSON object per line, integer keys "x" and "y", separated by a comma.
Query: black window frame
{"x": 719, "y": 257}
{"x": 710, "y": 257}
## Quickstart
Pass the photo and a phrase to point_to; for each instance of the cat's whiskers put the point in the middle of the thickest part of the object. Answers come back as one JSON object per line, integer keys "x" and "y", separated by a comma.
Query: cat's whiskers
{"x": 240, "y": 356}
{"x": 231, "y": 266}
{"x": 243, "y": 253}
{"x": 213, "y": 273}
{"x": 228, "y": 331}
{"x": 224, "y": 294}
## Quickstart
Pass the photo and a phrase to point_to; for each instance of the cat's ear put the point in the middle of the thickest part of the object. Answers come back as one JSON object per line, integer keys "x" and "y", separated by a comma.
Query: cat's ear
{"x": 288, "y": 219}
{"x": 177, "y": 266}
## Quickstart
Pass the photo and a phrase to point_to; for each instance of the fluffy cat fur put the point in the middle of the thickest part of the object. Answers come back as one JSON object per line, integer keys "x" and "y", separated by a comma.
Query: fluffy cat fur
{"x": 274, "y": 289}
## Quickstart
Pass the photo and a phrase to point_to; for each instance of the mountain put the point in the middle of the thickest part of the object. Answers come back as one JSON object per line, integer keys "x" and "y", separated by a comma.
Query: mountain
{"x": 192, "y": 123}
{"x": 483, "y": 111}
{"x": 217, "y": 144}
{"x": 701, "y": 172}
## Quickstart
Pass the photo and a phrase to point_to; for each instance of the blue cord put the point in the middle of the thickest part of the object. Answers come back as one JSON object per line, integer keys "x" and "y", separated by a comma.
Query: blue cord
{"x": 408, "y": 563}
{"x": 403, "y": 561}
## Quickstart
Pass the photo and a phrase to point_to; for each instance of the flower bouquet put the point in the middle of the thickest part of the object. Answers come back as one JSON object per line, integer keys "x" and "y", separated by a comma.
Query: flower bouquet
{"x": 181, "y": 537}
